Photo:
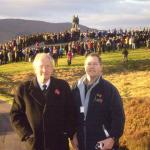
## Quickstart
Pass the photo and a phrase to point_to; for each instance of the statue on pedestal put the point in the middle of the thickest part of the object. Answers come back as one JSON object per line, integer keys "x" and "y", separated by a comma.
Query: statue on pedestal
{"x": 75, "y": 30}
{"x": 75, "y": 23}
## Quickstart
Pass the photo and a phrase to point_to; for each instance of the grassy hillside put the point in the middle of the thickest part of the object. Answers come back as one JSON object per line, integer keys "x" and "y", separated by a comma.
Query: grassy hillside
{"x": 132, "y": 80}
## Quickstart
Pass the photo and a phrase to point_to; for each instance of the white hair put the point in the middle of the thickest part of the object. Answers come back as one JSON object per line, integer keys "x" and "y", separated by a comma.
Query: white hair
{"x": 41, "y": 56}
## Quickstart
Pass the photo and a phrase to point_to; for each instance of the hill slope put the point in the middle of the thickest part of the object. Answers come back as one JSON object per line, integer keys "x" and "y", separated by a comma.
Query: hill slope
{"x": 9, "y": 28}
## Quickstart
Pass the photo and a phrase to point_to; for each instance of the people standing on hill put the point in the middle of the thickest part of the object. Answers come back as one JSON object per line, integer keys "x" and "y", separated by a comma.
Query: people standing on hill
{"x": 125, "y": 54}
{"x": 43, "y": 111}
{"x": 61, "y": 51}
{"x": 9, "y": 55}
{"x": 100, "y": 110}
{"x": 148, "y": 43}
{"x": 1, "y": 57}
{"x": 69, "y": 57}
{"x": 5, "y": 56}
{"x": 55, "y": 56}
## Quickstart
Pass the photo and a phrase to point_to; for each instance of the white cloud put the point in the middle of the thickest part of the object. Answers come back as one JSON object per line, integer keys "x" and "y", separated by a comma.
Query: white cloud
{"x": 137, "y": 1}
{"x": 92, "y": 13}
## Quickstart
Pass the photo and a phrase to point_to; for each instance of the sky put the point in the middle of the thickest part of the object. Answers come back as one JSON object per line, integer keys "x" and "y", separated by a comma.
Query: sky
{"x": 99, "y": 14}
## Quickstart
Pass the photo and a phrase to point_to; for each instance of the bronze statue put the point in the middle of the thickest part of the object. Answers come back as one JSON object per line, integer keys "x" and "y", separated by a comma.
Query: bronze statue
{"x": 75, "y": 22}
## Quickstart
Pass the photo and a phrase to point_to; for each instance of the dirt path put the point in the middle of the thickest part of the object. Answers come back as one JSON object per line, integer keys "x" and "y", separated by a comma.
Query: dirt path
{"x": 8, "y": 139}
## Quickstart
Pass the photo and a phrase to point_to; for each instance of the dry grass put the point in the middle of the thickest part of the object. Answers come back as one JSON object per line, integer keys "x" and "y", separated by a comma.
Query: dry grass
{"x": 136, "y": 101}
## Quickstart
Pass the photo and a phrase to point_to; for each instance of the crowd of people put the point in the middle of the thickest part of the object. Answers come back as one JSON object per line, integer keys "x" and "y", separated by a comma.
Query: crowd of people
{"x": 24, "y": 48}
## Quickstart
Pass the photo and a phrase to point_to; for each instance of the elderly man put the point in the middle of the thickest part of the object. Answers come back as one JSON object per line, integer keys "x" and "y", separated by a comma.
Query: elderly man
{"x": 43, "y": 112}
{"x": 100, "y": 110}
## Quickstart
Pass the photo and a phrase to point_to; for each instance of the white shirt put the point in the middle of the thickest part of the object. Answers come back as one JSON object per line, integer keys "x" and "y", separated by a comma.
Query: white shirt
{"x": 41, "y": 84}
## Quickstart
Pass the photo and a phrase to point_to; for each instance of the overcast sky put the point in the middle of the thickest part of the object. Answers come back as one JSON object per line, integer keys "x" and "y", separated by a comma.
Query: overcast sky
{"x": 100, "y": 14}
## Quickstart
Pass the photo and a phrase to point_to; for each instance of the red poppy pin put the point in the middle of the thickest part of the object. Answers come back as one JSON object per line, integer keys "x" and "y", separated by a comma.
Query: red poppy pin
{"x": 57, "y": 92}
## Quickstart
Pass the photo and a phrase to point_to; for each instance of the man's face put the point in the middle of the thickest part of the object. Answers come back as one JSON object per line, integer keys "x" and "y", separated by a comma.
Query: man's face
{"x": 43, "y": 70}
{"x": 92, "y": 66}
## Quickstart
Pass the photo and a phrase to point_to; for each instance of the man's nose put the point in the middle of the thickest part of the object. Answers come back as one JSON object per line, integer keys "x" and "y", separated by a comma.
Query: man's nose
{"x": 43, "y": 69}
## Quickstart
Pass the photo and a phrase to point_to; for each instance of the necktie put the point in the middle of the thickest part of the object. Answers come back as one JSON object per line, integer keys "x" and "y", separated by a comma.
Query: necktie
{"x": 44, "y": 89}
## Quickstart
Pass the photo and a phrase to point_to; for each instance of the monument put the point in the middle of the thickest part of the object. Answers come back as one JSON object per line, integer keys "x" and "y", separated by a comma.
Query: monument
{"x": 75, "y": 23}
{"x": 75, "y": 30}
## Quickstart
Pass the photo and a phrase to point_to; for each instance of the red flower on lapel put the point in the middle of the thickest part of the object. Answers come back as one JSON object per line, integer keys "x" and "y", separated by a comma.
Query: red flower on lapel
{"x": 57, "y": 92}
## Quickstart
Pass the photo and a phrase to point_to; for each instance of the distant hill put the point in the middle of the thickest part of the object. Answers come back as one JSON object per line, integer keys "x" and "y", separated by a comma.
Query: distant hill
{"x": 10, "y": 28}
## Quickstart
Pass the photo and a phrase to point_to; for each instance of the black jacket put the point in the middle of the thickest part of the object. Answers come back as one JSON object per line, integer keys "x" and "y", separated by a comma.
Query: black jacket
{"x": 51, "y": 119}
{"x": 105, "y": 111}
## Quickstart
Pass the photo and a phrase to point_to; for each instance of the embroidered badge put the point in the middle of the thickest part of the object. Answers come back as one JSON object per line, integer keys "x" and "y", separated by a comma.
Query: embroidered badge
{"x": 98, "y": 98}
{"x": 57, "y": 92}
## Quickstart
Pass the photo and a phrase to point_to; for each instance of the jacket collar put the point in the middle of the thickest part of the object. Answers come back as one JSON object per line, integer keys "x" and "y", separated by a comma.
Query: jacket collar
{"x": 36, "y": 93}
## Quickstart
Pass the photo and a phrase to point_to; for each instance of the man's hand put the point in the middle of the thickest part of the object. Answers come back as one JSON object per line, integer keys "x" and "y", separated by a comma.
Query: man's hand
{"x": 108, "y": 143}
{"x": 74, "y": 142}
{"x": 30, "y": 139}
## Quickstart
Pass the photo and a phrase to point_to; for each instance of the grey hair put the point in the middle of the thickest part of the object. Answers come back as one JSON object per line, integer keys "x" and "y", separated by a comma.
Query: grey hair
{"x": 41, "y": 56}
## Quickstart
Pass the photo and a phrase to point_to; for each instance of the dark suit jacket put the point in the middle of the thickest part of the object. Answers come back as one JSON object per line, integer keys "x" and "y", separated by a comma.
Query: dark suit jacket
{"x": 51, "y": 119}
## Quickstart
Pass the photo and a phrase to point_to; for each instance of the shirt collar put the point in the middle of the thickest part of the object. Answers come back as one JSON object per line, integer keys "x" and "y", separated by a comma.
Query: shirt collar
{"x": 41, "y": 84}
{"x": 82, "y": 80}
